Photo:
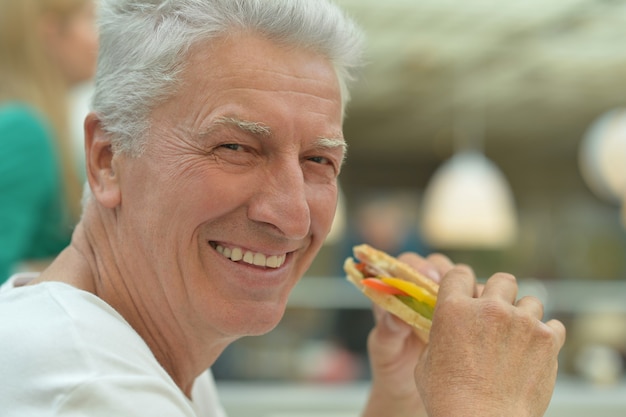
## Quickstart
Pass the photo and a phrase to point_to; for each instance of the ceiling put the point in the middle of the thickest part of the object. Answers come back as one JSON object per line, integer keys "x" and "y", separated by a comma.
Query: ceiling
{"x": 522, "y": 80}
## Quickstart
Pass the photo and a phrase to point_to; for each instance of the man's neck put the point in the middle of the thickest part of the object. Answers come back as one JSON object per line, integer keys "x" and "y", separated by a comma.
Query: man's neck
{"x": 91, "y": 264}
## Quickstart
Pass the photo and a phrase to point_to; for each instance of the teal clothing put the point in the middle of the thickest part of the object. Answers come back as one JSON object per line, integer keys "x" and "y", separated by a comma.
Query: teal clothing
{"x": 33, "y": 215}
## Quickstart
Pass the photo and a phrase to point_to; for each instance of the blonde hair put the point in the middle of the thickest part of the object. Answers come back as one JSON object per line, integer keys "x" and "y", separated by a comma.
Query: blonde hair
{"x": 27, "y": 75}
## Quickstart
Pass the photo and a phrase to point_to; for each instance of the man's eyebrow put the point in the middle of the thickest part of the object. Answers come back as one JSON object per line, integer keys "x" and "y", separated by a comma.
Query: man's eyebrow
{"x": 333, "y": 143}
{"x": 255, "y": 128}
{"x": 259, "y": 129}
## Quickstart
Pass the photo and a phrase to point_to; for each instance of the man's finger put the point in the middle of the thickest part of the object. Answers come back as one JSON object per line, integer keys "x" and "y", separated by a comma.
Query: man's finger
{"x": 532, "y": 305}
{"x": 459, "y": 280}
{"x": 559, "y": 330}
{"x": 421, "y": 265}
{"x": 442, "y": 263}
{"x": 501, "y": 286}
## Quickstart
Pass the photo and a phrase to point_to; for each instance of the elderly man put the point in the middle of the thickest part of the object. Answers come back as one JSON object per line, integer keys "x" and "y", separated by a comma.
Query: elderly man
{"x": 212, "y": 155}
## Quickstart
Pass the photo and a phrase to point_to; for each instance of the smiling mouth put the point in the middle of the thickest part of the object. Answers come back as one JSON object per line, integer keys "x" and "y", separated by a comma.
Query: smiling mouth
{"x": 249, "y": 257}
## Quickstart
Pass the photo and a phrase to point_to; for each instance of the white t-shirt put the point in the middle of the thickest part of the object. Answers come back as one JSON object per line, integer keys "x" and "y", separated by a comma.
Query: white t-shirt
{"x": 65, "y": 352}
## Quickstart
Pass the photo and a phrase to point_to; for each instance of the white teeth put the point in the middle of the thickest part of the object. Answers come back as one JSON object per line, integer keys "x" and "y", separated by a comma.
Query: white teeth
{"x": 258, "y": 259}
{"x": 236, "y": 254}
{"x": 248, "y": 258}
{"x": 272, "y": 261}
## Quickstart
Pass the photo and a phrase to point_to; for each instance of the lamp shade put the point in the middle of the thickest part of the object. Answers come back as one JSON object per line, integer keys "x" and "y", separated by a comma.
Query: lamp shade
{"x": 469, "y": 204}
{"x": 602, "y": 156}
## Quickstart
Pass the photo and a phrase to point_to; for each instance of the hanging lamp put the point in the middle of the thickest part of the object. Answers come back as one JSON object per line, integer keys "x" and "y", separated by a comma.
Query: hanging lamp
{"x": 468, "y": 203}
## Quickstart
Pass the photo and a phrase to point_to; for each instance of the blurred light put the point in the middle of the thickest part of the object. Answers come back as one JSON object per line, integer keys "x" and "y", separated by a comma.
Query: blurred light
{"x": 600, "y": 364}
{"x": 80, "y": 97}
{"x": 338, "y": 228}
{"x": 469, "y": 204}
{"x": 602, "y": 156}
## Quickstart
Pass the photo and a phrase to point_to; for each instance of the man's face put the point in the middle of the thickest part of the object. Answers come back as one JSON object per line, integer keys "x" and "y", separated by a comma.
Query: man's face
{"x": 237, "y": 188}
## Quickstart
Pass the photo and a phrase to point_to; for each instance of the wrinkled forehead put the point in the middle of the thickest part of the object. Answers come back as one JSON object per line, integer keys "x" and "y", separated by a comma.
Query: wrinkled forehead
{"x": 251, "y": 72}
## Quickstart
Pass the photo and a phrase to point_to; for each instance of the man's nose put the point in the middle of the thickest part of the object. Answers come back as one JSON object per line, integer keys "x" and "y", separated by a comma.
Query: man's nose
{"x": 282, "y": 201}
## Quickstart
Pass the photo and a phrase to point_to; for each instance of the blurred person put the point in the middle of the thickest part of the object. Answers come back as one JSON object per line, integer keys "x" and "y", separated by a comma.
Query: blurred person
{"x": 46, "y": 48}
{"x": 388, "y": 220}
{"x": 212, "y": 155}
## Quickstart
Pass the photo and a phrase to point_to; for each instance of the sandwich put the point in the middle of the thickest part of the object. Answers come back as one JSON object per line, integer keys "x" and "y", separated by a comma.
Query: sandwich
{"x": 394, "y": 286}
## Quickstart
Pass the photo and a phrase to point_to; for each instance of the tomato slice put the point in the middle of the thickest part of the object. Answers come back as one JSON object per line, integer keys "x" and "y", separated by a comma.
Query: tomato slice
{"x": 360, "y": 267}
{"x": 378, "y": 285}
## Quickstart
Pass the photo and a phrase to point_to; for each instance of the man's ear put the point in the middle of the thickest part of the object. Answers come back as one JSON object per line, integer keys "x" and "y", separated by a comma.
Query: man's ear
{"x": 100, "y": 165}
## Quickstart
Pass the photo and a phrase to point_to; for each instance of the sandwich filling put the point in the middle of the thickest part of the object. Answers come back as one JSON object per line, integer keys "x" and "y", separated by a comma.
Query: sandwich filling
{"x": 418, "y": 299}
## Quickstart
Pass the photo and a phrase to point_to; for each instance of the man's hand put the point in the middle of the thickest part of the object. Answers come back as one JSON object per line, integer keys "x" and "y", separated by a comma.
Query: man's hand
{"x": 394, "y": 351}
{"x": 489, "y": 353}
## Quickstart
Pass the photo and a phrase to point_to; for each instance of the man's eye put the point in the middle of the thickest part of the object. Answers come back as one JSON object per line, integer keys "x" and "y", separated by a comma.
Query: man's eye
{"x": 232, "y": 146}
{"x": 319, "y": 160}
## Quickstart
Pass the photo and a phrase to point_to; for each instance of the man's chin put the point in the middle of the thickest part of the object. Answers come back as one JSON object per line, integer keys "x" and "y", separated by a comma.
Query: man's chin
{"x": 258, "y": 318}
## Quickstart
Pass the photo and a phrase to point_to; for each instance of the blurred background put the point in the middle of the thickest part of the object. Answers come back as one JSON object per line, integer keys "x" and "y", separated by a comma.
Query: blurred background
{"x": 494, "y": 132}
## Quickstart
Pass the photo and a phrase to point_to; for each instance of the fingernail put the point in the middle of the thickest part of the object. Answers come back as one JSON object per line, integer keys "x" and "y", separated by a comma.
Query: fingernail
{"x": 431, "y": 273}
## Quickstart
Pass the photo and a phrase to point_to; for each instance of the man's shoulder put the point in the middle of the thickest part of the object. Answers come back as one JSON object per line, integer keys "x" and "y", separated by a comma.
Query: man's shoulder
{"x": 74, "y": 325}
{"x": 68, "y": 345}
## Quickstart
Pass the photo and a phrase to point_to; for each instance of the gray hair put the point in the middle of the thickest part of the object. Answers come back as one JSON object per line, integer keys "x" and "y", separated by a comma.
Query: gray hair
{"x": 143, "y": 45}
